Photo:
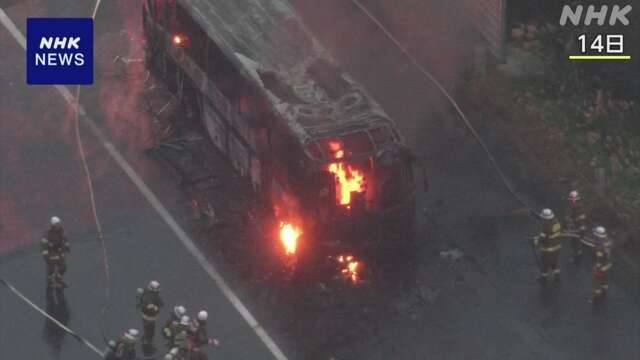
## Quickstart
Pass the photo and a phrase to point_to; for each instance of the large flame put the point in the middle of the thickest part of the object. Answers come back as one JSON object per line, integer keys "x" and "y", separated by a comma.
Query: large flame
{"x": 289, "y": 235}
{"x": 348, "y": 179}
{"x": 350, "y": 267}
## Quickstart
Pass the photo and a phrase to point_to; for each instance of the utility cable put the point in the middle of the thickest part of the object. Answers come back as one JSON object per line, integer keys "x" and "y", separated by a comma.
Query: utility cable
{"x": 466, "y": 121}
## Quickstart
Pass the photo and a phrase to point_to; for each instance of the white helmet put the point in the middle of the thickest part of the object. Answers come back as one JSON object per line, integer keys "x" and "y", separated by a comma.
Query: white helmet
{"x": 132, "y": 334}
{"x": 171, "y": 354}
{"x": 54, "y": 220}
{"x": 185, "y": 321}
{"x": 154, "y": 285}
{"x": 600, "y": 231}
{"x": 574, "y": 195}
{"x": 179, "y": 311}
{"x": 546, "y": 214}
{"x": 203, "y": 316}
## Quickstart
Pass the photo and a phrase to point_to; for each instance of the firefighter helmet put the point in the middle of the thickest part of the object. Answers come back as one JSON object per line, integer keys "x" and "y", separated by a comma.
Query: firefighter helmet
{"x": 179, "y": 311}
{"x": 154, "y": 285}
{"x": 171, "y": 354}
{"x": 203, "y": 316}
{"x": 54, "y": 220}
{"x": 132, "y": 334}
{"x": 185, "y": 321}
{"x": 600, "y": 231}
{"x": 574, "y": 195}
{"x": 546, "y": 214}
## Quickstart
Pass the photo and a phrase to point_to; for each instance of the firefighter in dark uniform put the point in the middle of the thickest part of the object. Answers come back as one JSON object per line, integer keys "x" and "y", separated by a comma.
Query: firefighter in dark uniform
{"x": 577, "y": 224}
{"x": 180, "y": 334}
{"x": 172, "y": 324}
{"x": 149, "y": 304}
{"x": 55, "y": 247}
{"x": 602, "y": 250}
{"x": 200, "y": 337}
{"x": 180, "y": 342}
{"x": 125, "y": 347}
{"x": 549, "y": 245}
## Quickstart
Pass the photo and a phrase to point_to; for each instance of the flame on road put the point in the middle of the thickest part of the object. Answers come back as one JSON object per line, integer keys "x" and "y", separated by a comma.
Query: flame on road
{"x": 289, "y": 235}
{"x": 348, "y": 179}
{"x": 350, "y": 267}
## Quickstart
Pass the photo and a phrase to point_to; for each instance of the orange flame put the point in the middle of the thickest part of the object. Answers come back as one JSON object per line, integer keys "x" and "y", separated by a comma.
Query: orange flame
{"x": 289, "y": 235}
{"x": 349, "y": 180}
{"x": 177, "y": 39}
{"x": 350, "y": 268}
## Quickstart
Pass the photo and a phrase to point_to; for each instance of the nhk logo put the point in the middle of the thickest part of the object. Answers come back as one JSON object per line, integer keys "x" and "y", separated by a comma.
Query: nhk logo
{"x": 617, "y": 14}
{"x": 60, "y": 51}
{"x": 53, "y": 58}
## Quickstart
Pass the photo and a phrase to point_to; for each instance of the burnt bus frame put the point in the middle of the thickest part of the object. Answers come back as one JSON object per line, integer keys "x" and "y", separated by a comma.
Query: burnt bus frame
{"x": 264, "y": 168}
{"x": 181, "y": 72}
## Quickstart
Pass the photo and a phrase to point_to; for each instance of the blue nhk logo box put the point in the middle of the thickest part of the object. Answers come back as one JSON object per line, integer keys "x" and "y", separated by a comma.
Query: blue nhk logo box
{"x": 59, "y": 51}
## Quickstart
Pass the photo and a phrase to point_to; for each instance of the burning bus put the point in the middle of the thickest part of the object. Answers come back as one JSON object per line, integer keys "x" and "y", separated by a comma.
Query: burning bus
{"x": 287, "y": 118}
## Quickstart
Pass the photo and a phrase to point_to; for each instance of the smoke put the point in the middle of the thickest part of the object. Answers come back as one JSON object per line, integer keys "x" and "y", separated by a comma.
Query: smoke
{"x": 39, "y": 170}
{"x": 435, "y": 31}
{"x": 41, "y": 174}
{"x": 123, "y": 79}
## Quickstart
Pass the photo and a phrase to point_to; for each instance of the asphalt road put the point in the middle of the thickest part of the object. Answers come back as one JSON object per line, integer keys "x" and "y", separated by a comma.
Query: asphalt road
{"x": 482, "y": 305}
{"x": 42, "y": 176}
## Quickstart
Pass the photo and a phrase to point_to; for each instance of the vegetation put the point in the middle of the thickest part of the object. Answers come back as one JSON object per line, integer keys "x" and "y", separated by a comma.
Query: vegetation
{"x": 593, "y": 107}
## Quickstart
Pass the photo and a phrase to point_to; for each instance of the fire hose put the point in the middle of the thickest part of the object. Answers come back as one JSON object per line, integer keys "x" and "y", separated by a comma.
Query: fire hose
{"x": 75, "y": 335}
{"x": 583, "y": 240}
{"x": 448, "y": 96}
{"x": 535, "y": 256}
{"x": 71, "y": 332}
{"x": 94, "y": 212}
{"x": 100, "y": 235}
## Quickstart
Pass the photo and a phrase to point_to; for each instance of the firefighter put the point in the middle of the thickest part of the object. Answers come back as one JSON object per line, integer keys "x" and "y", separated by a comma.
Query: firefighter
{"x": 55, "y": 247}
{"x": 200, "y": 337}
{"x": 109, "y": 352}
{"x": 180, "y": 342}
{"x": 180, "y": 336}
{"x": 577, "y": 224}
{"x": 171, "y": 325}
{"x": 602, "y": 250}
{"x": 549, "y": 245}
{"x": 125, "y": 347}
{"x": 149, "y": 304}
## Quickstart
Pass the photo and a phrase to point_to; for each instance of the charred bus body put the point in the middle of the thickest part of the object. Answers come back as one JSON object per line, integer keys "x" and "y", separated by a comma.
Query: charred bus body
{"x": 274, "y": 102}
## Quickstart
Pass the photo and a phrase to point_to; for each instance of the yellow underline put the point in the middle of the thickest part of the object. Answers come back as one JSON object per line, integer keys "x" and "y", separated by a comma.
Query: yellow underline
{"x": 600, "y": 57}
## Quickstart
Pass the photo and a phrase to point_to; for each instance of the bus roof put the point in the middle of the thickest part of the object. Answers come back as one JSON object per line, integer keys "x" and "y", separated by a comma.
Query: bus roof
{"x": 271, "y": 47}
